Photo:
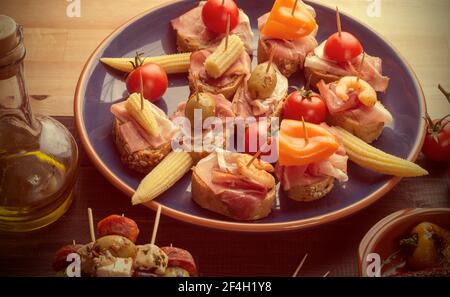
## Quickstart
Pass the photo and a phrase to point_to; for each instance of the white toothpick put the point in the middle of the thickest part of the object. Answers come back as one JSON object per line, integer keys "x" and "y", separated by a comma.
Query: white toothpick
{"x": 155, "y": 226}
{"x": 327, "y": 274}
{"x": 300, "y": 265}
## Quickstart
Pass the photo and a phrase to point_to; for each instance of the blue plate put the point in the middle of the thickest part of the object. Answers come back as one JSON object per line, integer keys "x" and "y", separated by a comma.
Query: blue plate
{"x": 150, "y": 32}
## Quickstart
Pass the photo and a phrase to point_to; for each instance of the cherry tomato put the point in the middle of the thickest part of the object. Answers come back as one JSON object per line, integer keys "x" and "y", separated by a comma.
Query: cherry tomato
{"x": 305, "y": 104}
{"x": 118, "y": 225}
{"x": 154, "y": 80}
{"x": 342, "y": 48}
{"x": 214, "y": 15}
{"x": 437, "y": 141}
{"x": 255, "y": 134}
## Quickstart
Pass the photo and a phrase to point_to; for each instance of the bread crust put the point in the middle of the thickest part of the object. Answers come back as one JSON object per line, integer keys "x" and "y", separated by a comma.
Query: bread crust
{"x": 142, "y": 161}
{"x": 367, "y": 132}
{"x": 287, "y": 67}
{"x": 204, "y": 197}
{"x": 227, "y": 91}
{"x": 316, "y": 76}
{"x": 311, "y": 192}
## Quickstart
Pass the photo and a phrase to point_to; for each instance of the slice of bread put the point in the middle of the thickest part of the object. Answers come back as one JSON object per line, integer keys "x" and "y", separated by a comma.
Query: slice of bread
{"x": 367, "y": 132}
{"x": 316, "y": 76}
{"x": 141, "y": 161}
{"x": 205, "y": 197}
{"x": 228, "y": 91}
{"x": 287, "y": 67}
{"x": 312, "y": 192}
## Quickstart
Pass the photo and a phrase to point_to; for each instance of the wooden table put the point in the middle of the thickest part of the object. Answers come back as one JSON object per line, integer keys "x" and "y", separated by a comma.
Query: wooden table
{"x": 57, "y": 48}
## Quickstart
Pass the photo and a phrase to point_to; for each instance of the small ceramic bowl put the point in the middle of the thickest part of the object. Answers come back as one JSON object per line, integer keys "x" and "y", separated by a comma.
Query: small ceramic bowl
{"x": 383, "y": 238}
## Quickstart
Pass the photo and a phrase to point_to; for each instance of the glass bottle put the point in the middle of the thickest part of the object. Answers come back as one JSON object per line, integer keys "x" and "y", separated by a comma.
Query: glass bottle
{"x": 38, "y": 155}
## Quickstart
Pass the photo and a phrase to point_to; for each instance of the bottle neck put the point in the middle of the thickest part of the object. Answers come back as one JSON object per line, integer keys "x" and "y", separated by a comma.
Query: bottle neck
{"x": 15, "y": 111}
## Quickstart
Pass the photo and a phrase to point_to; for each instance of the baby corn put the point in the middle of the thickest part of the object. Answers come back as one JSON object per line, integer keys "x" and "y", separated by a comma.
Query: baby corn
{"x": 376, "y": 160}
{"x": 220, "y": 60}
{"x": 144, "y": 116}
{"x": 163, "y": 176}
{"x": 177, "y": 63}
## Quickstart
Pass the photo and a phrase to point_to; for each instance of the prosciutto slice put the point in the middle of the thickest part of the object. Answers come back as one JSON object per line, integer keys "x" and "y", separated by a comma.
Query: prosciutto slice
{"x": 135, "y": 135}
{"x": 191, "y": 27}
{"x": 335, "y": 166}
{"x": 244, "y": 105}
{"x": 353, "y": 107}
{"x": 288, "y": 50}
{"x": 370, "y": 71}
{"x": 241, "y": 194}
{"x": 197, "y": 68}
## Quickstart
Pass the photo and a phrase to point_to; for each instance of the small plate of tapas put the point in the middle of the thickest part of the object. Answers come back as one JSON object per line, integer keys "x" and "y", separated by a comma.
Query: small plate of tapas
{"x": 254, "y": 116}
{"x": 409, "y": 243}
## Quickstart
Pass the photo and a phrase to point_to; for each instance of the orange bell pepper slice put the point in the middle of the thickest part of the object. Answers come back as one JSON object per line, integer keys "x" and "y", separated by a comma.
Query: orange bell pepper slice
{"x": 282, "y": 24}
{"x": 295, "y": 151}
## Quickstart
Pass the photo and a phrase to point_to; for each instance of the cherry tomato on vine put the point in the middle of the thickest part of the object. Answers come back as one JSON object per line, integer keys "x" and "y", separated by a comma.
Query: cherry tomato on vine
{"x": 154, "y": 80}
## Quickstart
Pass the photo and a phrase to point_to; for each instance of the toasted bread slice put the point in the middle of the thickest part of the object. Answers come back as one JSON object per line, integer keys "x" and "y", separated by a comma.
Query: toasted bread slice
{"x": 287, "y": 67}
{"x": 203, "y": 196}
{"x": 367, "y": 132}
{"x": 316, "y": 76}
{"x": 141, "y": 161}
{"x": 312, "y": 192}
{"x": 228, "y": 91}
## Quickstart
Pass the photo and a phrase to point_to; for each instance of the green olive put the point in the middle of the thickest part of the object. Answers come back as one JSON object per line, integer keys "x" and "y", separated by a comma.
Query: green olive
{"x": 204, "y": 102}
{"x": 117, "y": 245}
{"x": 261, "y": 83}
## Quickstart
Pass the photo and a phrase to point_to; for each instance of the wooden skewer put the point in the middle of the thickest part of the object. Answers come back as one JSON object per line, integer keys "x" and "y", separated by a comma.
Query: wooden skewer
{"x": 74, "y": 242}
{"x": 269, "y": 64}
{"x": 360, "y": 66}
{"x": 305, "y": 132}
{"x": 91, "y": 224}
{"x": 338, "y": 19}
{"x": 295, "y": 7}
{"x": 195, "y": 81}
{"x": 327, "y": 274}
{"x": 155, "y": 226}
{"x": 223, "y": 2}
{"x": 255, "y": 156}
{"x": 141, "y": 82}
{"x": 300, "y": 265}
{"x": 227, "y": 32}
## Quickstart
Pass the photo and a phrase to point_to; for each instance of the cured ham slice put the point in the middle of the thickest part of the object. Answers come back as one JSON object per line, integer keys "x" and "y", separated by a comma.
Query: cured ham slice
{"x": 197, "y": 68}
{"x": 353, "y": 107}
{"x": 335, "y": 166}
{"x": 135, "y": 135}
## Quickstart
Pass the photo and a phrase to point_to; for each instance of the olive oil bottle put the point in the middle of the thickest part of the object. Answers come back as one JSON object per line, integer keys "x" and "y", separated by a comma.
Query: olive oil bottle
{"x": 38, "y": 156}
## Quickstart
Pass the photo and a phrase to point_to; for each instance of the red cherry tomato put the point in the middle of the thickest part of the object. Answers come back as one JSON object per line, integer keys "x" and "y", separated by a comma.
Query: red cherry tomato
{"x": 256, "y": 134}
{"x": 437, "y": 141}
{"x": 154, "y": 80}
{"x": 305, "y": 104}
{"x": 60, "y": 260}
{"x": 342, "y": 48}
{"x": 214, "y": 15}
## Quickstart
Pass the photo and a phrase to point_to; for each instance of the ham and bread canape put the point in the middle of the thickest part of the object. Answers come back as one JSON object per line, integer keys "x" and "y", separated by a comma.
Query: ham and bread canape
{"x": 204, "y": 26}
{"x": 141, "y": 132}
{"x": 235, "y": 185}
{"x": 220, "y": 70}
{"x": 290, "y": 30}
{"x": 311, "y": 157}
{"x": 353, "y": 105}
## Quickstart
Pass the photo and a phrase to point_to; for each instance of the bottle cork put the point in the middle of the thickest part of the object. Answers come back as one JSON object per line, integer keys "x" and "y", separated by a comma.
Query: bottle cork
{"x": 8, "y": 34}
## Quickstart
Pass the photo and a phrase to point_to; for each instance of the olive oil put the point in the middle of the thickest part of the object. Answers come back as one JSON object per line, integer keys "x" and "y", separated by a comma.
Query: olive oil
{"x": 38, "y": 156}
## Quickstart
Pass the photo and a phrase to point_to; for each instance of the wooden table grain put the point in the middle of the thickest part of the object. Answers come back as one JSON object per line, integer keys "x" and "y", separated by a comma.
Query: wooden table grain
{"x": 58, "y": 47}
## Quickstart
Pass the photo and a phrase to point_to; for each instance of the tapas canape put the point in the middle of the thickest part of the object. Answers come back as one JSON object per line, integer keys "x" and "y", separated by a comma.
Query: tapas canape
{"x": 290, "y": 31}
{"x": 343, "y": 55}
{"x": 353, "y": 105}
{"x": 311, "y": 158}
{"x": 205, "y": 26}
{"x": 235, "y": 185}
